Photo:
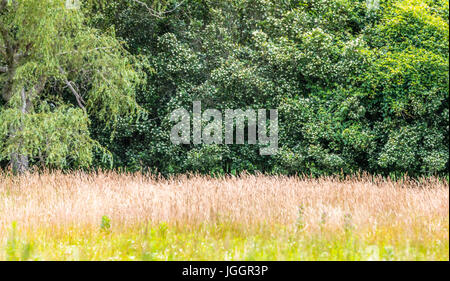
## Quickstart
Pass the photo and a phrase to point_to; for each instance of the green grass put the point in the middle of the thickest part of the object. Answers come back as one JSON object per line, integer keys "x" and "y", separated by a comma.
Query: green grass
{"x": 225, "y": 242}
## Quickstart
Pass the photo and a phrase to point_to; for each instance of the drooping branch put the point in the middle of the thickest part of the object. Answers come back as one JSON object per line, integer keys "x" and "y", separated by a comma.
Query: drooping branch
{"x": 150, "y": 10}
{"x": 78, "y": 97}
{"x": 154, "y": 13}
{"x": 85, "y": 52}
{"x": 3, "y": 69}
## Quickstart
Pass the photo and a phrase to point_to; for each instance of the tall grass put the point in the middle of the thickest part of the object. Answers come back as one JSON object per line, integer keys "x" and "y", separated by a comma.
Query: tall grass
{"x": 256, "y": 216}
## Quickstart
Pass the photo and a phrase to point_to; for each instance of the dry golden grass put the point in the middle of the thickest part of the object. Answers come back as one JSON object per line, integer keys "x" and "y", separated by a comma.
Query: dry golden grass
{"x": 60, "y": 202}
{"x": 82, "y": 199}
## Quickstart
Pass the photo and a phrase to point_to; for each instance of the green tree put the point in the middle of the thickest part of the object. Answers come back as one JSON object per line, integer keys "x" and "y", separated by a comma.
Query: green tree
{"x": 55, "y": 73}
{"x": 360, "y": 85}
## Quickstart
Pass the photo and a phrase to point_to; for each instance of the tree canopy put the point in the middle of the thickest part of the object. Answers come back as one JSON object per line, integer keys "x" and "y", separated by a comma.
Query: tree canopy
{"x": 57, "y": 73}
{"x": 359, "y": 85}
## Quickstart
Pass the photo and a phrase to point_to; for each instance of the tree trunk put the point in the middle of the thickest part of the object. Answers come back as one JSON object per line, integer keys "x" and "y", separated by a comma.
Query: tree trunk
{"x": 19, "y": 162}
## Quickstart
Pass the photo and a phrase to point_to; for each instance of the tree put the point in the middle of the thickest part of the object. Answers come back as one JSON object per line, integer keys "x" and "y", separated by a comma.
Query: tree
{"x": 360, "y": 85}
{"x": 56, "y": 72}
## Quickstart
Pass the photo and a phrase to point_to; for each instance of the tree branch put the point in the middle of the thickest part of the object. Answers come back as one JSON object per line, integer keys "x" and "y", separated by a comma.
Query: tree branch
{"x": 24, "y": 100}
{"x": 155, "y": 13}
{"x": 3, "y": 69}
{"x": 78, "y": 97}
{"x": 150, "y": 11}
{"x": 174, "y": 8}
{"x": 88, "y": 51}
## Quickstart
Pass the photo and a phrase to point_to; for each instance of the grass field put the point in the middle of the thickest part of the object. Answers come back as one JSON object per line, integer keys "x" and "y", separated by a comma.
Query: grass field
{"x": 106, "y": 216}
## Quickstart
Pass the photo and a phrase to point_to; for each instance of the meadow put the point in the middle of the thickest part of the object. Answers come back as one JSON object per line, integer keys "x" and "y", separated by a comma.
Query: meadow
{"x": 110, "y": 216}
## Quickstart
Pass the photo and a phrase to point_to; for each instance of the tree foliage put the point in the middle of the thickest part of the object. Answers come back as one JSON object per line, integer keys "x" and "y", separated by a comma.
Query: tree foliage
{"x": 52, "y": 61}
{"x": 359, "y": 85}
